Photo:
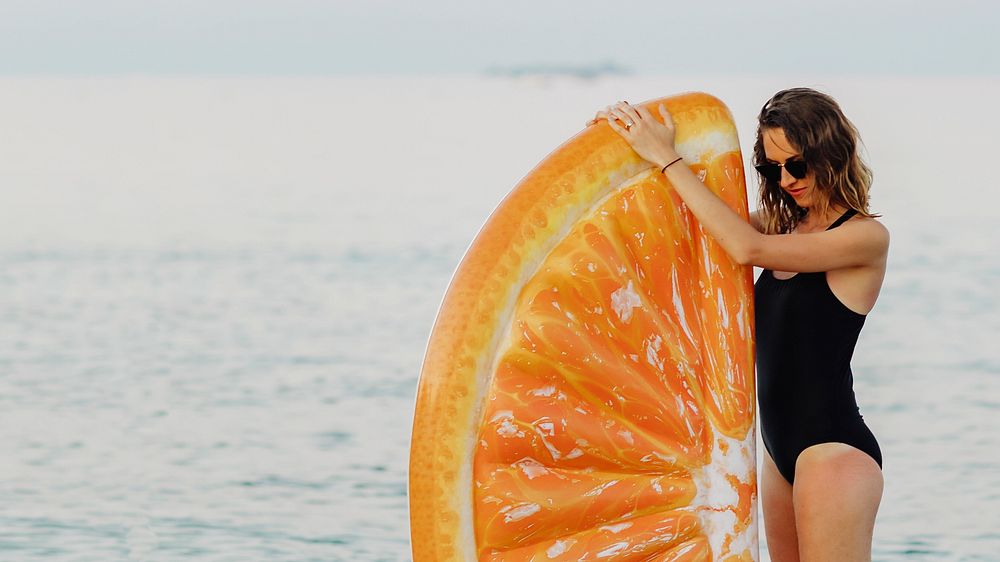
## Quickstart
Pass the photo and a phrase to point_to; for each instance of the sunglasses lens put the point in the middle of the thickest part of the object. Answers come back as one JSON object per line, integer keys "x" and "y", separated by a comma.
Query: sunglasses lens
{"x": 797, "y": 168}
{"x": 770, "y": 172}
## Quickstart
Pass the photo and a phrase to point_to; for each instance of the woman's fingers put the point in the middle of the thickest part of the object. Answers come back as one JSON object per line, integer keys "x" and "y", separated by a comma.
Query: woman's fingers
{"x": 618, "y": 128}
{"x": 629, "y": 110}
{"x": 628, "y": 115}
{"x": 644, "y": 112}
{"x": 668, "y": 119}
{"x": 622, "y": 116}
{"x": 602, "y": 114}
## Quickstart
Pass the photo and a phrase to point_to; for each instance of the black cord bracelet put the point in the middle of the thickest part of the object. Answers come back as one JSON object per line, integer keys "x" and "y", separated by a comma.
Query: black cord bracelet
{"x": 664, "y": 169}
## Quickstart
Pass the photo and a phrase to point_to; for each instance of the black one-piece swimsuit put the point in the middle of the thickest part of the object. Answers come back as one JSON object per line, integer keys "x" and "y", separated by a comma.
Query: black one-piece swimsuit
{"x": 805, "y": 340}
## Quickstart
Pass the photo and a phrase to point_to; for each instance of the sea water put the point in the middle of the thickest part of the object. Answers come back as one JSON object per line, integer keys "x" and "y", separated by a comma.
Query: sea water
{"x": 217, "y": 292}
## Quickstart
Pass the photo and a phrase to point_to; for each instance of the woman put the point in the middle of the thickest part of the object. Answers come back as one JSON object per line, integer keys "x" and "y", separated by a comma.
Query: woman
{"x": 824, "y": 258}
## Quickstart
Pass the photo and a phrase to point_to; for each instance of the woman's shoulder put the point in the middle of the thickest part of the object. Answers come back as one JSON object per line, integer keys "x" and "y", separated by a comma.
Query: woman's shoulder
{"x": 870, "y": 228}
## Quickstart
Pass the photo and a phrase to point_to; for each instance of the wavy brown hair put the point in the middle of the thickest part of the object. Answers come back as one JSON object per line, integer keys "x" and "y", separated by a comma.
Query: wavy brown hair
{"x": 815, "y": 125}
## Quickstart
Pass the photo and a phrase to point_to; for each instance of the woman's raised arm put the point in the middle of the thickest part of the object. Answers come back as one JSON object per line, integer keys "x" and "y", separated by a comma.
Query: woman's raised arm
{"x": 859, "y": 243}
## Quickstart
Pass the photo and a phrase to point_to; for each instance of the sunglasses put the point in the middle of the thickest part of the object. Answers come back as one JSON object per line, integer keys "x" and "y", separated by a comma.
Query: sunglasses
{"x": 772, "y": 172}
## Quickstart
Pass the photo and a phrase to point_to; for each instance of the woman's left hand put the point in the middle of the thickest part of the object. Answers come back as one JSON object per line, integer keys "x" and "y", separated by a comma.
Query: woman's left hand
{"x": 652, "y": 140}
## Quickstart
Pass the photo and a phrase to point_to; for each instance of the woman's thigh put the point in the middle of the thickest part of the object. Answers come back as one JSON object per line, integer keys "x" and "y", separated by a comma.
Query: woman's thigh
{"x": 779, "y": 514}
{"x": 836, "y": 496}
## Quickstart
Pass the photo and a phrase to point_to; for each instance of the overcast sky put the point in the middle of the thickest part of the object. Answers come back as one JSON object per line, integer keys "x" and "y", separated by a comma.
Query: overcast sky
{"x": 468, "y": 36}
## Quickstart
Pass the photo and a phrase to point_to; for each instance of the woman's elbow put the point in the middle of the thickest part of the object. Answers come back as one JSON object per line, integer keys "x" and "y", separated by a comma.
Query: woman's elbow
{"x": 743, "y": 258}
{"x": 747, "y": 252}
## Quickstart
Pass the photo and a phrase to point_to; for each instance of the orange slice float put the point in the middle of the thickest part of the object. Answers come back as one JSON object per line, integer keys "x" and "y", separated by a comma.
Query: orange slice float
{"x": 588, "y": 387}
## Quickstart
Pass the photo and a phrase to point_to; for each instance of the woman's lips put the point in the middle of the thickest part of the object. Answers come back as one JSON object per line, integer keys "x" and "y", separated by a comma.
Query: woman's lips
{"x": 795, "y": 192}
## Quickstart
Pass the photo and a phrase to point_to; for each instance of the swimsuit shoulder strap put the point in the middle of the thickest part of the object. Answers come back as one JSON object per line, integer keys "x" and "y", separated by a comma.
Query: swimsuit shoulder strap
{"x": 843, "y": 218}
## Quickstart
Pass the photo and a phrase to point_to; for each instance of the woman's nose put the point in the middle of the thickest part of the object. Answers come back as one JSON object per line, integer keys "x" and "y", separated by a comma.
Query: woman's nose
{"x": 786, "y": 178}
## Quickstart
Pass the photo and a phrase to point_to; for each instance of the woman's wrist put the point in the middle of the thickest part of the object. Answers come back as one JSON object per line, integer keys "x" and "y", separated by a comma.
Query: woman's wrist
{"x": 665, "y": 158}
{"x": 663, "y": 169}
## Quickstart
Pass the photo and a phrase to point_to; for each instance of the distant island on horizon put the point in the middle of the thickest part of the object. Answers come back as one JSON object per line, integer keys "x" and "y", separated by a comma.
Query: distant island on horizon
{"x": 586, "y": 71}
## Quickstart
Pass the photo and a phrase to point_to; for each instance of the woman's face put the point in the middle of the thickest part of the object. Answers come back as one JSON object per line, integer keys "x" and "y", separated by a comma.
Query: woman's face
{"x": 779, "y": 150}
